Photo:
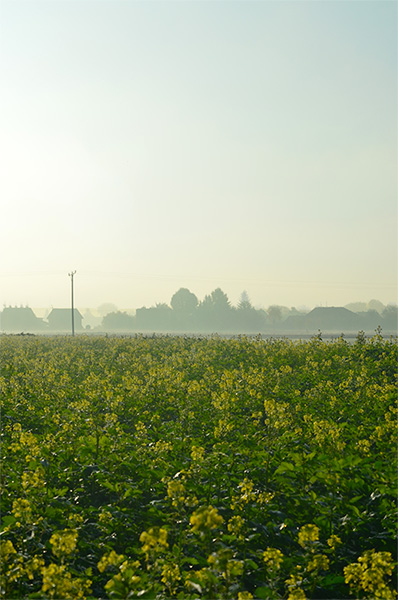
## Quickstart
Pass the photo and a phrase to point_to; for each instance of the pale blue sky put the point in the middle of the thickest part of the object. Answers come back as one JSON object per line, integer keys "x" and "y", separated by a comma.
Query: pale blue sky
{"x": 157, "y": 145}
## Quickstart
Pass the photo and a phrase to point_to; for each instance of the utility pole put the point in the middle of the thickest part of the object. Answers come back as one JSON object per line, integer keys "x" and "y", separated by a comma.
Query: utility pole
{"x": 71, "y": 274}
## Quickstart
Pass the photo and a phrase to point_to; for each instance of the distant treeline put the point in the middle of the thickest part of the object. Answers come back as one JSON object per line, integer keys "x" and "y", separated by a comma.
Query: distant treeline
{"x": 215, "y": 313}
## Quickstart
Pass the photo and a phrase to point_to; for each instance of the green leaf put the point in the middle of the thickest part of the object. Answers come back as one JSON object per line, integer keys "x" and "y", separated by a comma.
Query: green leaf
{"x": 283, "y": 467}
{"x": 250, "y": 563}
{"x": 263, "y": 592}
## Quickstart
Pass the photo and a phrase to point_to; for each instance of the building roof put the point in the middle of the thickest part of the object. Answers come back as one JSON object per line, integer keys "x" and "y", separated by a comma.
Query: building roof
{"x": 63, "y": 312}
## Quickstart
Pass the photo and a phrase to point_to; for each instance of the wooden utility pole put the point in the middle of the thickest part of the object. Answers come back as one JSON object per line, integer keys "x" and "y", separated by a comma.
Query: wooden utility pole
{"x": 71, "y": 274}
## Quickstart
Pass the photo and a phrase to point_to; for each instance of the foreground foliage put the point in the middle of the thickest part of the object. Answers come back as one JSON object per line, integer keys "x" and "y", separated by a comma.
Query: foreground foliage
{"x": 173, "y": 467}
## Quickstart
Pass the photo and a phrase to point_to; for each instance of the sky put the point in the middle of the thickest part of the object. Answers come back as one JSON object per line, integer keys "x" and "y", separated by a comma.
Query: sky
{"x": 153, "y": 145}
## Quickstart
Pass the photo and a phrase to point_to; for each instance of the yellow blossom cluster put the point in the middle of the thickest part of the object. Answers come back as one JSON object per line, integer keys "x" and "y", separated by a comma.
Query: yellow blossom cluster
{"x": 112, "y": 559}
{"x": 326, "y": 432}
{"x": 63, "y": 542}
{"x": 334, "y": 541}
{"x": 369, "y": 573}
{"x": 21, "y": 509}
{"x": 308, "y": 534}
{"x": 363, "y": 446}
{"x": 319, "y": 562}
{"x": 105, "y": 516}
{"x": 206, "y": 518}
{"x": 6, "y": 550}
{"x": 197, "y": 453}
{"x": 25, "y": 441}
{"x": 222, "y": 428}
{"x": 170, "y": 575}
{"x": 235, "y": 526}
{"x": 33, "y": 479}
{"x": 58, "y": 583}
{"x": 34, "y": 565}
{"x": 277, "y": 415}
{"x": 126, "y": 579}
{"x": 154, "y": 540}
{"x": 176, "y": 491}
{"x": 295, "y": 591}
{"x": 273, "y": 558}
{"x": 249, "y": 494}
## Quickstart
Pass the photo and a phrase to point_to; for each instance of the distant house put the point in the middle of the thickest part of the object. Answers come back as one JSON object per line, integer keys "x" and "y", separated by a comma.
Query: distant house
{"x": 60, "y": 319}
{"x": 21, "y": 319}
{"x": 333, "y": 319}
{"x": 325, "y": 319}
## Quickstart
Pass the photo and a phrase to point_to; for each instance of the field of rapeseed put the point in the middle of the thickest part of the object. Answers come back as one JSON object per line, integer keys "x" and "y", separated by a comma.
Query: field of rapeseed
{"x": 173, "y": 467}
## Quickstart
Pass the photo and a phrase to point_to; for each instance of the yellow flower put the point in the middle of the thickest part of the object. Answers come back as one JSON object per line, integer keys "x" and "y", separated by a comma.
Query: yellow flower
{"x": 363, "y": 446}
{"x": 295, "y": 591}
{"x": 63, "y": 542}
{"x": 245, "y": 596}
{"x": 197, "y": 453}
{"x": 33, "y": 565}
{"x": 206, "y": 518}
{"x": 21, "y": 509}
{"x": 75, "y": 520}
{"x": 264, "y": 497}
{"x": 235, "y": 525}
{"x": 297, "y": 594}
{"x": 176, "y": 491}
{"x": 58, "y": 583}
{"x": 154, "y": 540}
{"x": 318, "y": 562}
{"x": 6, "y": 549}
{"x": 369, "y": 573}
{"x": 111, "y": 559}
{"x": 249, "y": 494}
{"x": 333, "y": 541}
{"x": 33, "y": 479}
{"x": 104, "y": 516}
{"x": 273, "y": 558}
{"x": 308, "y": 534}
{"x": 170, "y": 575}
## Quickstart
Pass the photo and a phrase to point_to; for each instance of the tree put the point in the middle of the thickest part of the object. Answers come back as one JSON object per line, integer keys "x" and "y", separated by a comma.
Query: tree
{"x": 390, "y": 318}
{"x": 247, "y": 318}
{"x": 215, "y": 312}
{"x": 244, "y": 302}
{"x": 219, "y": 300}
{"x": 376, "y": 305}
{"x": 274, "y": 313}
{"x": 118, "y": 321}
{"x": 106, "y": 308}
{"x": 184, "y": 302}
{"x": 156, "y": 318}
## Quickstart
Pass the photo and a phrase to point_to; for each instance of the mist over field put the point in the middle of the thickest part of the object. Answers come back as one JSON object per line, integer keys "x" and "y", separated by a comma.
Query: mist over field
{"x": 215, "y": 313}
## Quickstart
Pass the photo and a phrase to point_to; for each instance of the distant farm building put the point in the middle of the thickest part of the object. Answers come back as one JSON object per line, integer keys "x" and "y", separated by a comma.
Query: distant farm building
{"x": 60, "y": 319}
{"x": 325, "y": 319}
{"x": 21, "y": 319}
{"x": 333, "y": 319}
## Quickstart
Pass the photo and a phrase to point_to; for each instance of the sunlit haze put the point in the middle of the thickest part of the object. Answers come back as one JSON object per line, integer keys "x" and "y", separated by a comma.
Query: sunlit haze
{"x": 244, "y": 145}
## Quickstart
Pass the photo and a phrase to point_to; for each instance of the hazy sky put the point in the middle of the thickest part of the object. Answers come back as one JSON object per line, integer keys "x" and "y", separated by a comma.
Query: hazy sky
{"x": 153, "y": 145}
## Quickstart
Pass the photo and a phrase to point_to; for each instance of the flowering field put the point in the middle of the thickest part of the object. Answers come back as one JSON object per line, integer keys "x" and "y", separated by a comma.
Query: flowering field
{"x": 172, "y": 467}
